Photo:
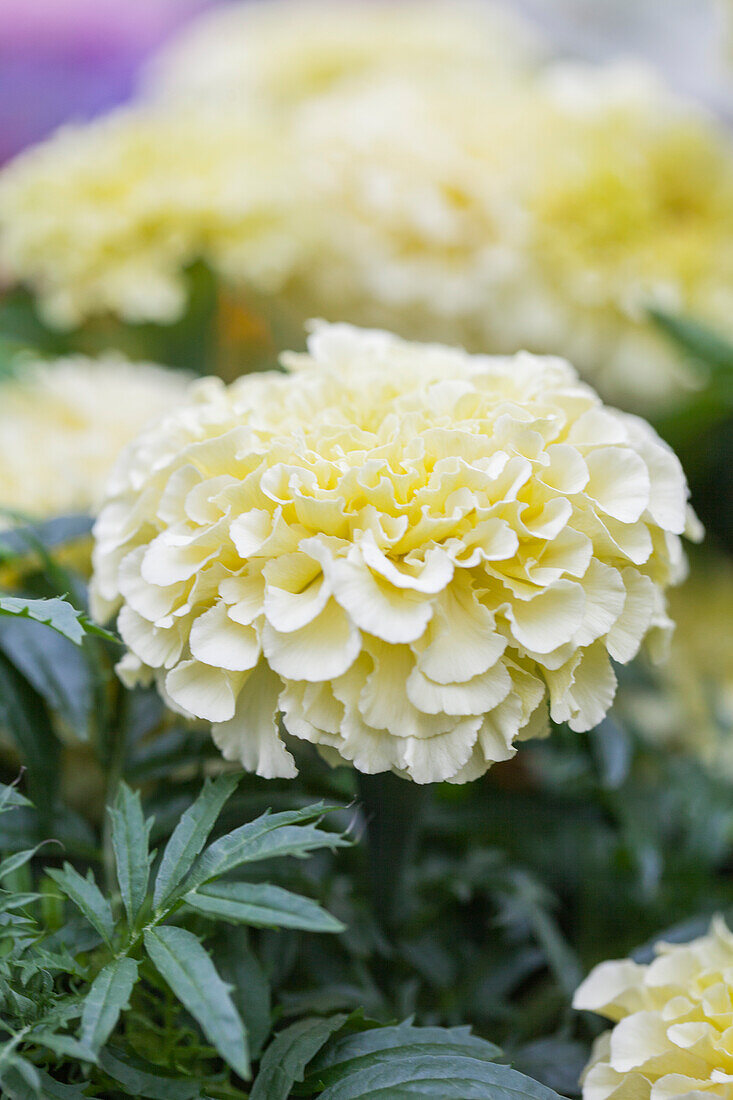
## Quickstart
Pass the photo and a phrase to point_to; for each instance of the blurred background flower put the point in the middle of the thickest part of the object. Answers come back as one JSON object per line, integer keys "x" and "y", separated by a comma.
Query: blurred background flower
{"x": 71, "y": 59}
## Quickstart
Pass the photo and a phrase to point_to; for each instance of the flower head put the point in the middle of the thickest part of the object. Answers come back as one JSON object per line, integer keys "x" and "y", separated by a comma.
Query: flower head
{"x": 403, "y": 549}
{"x": 107, "y": 216}
{"x": 549, "y": 214}
{"x": 671, "y": 1035}
{"x": 278, "y": 54}
{"x": 63, "y": 424}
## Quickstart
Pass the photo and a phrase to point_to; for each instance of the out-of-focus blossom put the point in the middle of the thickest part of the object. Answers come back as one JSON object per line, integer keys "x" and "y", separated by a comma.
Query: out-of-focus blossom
{"x": 107, "y": 216}
{"x": 61, "y": 59}
{"x": 278, "y": 53}
{"x": 63, "y": 424}
{"x": 671, "y": 1036}
{"x": 405, "y": 550}
{"x": 550, "y": 216}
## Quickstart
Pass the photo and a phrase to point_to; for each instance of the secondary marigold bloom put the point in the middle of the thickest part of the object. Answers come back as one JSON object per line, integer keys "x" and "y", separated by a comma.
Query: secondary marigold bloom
{"x": 63, "y": 424}
{"x": 550, "y": 214}
{"x": 107, "y": 216}
{"x": 403, "y": 549}
{"x": 672, "y": 1032}
{"x": 280, "y": 53}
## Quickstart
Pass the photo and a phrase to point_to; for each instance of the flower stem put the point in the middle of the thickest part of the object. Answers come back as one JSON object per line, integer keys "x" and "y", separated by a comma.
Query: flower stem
{"x": 392, "y": 808}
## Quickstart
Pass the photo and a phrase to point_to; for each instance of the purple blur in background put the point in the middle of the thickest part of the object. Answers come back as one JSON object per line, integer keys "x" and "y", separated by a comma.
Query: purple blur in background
{"x": 68, "y": 59}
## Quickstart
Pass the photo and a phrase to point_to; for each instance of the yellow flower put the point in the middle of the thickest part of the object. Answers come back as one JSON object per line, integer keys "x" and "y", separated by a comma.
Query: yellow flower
{"x": 403, "y": 549}
{"x": 549, "y": 215}
{"x": 106, "y": 216}
{"x": 62, "y": 425}
{"x": 280, "y": 53}
{"x": 672, "y": 1033}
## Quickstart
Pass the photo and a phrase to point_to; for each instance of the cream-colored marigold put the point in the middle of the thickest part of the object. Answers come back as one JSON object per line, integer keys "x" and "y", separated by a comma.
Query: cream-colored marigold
{"x": 550, "y": 215}
{"x": 403, "y": 549}
{"x": 63, "y": 424}
{"x": 107, "y": 215}
{"x": 672, "y": 1034}
{"x": 283, "y": 52}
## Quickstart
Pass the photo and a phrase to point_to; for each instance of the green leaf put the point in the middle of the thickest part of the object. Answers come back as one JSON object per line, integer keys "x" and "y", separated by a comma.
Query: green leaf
{"x": 355, "y": 1052}
{"x": 16, "y": 860}
{"x": 10, "y": 797}
{"x": 65, "y": 1046}
{"x": 285, "y": 1059}
{"x": 182, "y": 962}
{"x": 262, "y": 905}
{"x": 108, "y": 995}
{"x": 130, "y": 833}
{"x": 45, "y": 1088}
{"x": 87, "y": 897}
{"x": 58, "y": 670}
{"x": 443, "y": 1075}
{"x": 238, "y": 965}
{"x": 19, "y": 1078}
{"x": 270, "y": 835}
{"x": 24, "y": 716}
{"x": 16, "y": 901}
{"x": 190, "y": 835}
{"x": 141, "y": 1079}
{"x": 55, "y": 613}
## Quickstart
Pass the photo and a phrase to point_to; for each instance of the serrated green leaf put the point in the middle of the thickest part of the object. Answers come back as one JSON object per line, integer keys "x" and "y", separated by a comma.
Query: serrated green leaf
{"x": 87, "y": 897}
{"x": 16, "y": 901}
{"x": 190, "y": 835}
{"x": 130, "y": 833}
{"x": 55, "y": 613}
{"x": 284, "y": 1061}
{"x": 263, "y": 906}
{"x": 270, "y": 835}
{"x": 181, "y": 960}
{"x": 65, "y": 1046}
{"x": 446, "y": 1076}
{"x": 108, "y": 996}
{"x": 16, "y": 860}
{"x": 10, "y": 798}
{"x": 141, "y": 1079}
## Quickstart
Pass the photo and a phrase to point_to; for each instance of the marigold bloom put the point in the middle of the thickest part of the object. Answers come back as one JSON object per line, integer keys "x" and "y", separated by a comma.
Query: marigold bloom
{"x": 671, "y": 1035}
{"x": 403, "y": 549}
{"x": 549, "y": 215}
{"x": 106, "y": 216}
{"x": 63, "y": 424}
{"x": 278, "y": 54}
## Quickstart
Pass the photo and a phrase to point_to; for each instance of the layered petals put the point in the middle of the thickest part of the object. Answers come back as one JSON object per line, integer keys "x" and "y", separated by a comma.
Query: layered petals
{"x": 405, "y": 551}
{"x": 672, "y": 1035}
